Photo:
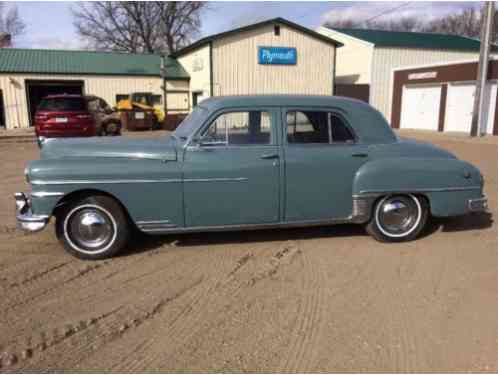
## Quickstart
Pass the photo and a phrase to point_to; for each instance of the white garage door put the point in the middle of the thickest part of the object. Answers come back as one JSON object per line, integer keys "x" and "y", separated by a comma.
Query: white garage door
{"x": 420, "y": 107}
{"x": 460, "y": 104}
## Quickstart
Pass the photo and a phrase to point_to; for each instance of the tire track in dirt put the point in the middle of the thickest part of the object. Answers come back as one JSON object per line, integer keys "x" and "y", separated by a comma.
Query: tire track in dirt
{"x": 203, "y": 309}
{"x": 306, "y": 328}
{"x": 28, "y": 348}
{"x": 139, "y": 312}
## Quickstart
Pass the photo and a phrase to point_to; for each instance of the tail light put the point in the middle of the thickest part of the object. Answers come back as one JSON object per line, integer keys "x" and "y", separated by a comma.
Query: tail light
{"x": 83, "y": 117}
{"x": 41, "y": 117}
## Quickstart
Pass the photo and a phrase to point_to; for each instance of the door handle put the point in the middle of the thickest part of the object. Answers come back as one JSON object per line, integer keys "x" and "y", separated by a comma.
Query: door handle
{"x": 359, "y": 155}
{"x": 269, "y": 156}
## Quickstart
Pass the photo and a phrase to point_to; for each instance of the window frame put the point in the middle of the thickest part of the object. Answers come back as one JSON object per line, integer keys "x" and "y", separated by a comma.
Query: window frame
{"x": 334, "y": 111}
{"x": 197, "y": 136}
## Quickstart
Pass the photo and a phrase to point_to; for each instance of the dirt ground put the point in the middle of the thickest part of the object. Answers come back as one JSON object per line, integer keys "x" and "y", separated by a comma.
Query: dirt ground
{"x": 306, "y": 300}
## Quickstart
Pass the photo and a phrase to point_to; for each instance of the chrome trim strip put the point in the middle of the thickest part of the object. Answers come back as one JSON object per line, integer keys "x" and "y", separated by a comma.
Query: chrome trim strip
{"x": 222, "y": 228}
{"x": 219, "y": 179}
{"x": 142, "y": 181}
{"x": 42, "y": 194}
{"x": 428, "y": 190}
{"x": 152, "y": 222}
{"x": 134, "y": 181}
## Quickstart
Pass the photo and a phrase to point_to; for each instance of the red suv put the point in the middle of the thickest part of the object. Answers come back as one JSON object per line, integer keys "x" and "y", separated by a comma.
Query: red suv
{"x": 64, "y": 116}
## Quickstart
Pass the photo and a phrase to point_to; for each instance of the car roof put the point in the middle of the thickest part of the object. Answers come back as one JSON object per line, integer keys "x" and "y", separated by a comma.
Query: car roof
{"x": 277, "y": 101}
{"x": 369, "y": 125}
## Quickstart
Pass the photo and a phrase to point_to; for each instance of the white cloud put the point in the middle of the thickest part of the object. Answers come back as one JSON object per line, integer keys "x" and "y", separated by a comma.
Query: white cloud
{"x": 393, "y": 10}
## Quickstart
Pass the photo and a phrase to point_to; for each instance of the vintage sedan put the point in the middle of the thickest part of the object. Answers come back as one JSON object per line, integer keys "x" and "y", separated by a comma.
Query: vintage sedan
{"x": 247, "y": 162}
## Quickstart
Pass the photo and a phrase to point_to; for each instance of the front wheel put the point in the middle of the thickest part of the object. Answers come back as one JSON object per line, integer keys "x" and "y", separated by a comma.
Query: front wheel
{"x": 398, "y": 218}
{"x": 92, "y": 228}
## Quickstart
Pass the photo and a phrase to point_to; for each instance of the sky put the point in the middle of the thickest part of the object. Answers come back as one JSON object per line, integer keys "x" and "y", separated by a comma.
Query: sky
{"x": 49, "y": 24}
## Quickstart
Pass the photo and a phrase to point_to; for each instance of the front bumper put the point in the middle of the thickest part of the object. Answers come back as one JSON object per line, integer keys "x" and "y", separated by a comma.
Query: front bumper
{"x": 478, "y": 205}
{"x": 26, "y": 220}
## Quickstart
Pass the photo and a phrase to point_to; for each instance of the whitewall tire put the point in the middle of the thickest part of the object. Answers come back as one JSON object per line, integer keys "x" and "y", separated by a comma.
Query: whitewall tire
{"x": 398, "y": 217}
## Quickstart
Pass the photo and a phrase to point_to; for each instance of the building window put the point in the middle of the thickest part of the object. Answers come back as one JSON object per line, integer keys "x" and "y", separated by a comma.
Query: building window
{"x": 317, "y": 127}
{"x": 276, "y": 30}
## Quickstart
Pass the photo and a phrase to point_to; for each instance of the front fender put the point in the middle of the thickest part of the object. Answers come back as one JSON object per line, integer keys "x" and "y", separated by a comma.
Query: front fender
{"x": 150, "y": 190}
{"x": 448, "y": 184}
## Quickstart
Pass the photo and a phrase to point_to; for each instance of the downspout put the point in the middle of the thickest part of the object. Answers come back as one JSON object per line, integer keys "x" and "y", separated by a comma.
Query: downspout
{"x": 211, "y": 90}
{"x": 334, "y": 72}
{"x": 163, "y": 76}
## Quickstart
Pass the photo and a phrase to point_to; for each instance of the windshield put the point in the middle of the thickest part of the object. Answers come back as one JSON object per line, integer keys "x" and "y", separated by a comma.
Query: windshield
{"x": 62, "y": 104}
{"x": 191, "y": 123}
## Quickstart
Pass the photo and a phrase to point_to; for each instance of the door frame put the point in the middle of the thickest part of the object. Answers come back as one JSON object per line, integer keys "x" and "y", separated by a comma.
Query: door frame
{"x": 32, "y": 82}
{"x": 3, "y": 119}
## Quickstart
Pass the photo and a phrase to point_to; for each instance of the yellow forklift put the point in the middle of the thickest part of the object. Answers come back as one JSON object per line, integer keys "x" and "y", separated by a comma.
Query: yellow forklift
{"x": 143, "y": 101}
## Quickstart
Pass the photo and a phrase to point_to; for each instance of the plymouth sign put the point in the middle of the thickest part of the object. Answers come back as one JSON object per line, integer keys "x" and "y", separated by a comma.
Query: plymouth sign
{"x": 277, "y": 55}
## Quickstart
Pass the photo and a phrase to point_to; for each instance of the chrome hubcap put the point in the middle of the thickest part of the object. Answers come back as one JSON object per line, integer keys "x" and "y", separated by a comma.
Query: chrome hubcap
{"x": 91, "y": 228}
{"x": 398, "y": 215}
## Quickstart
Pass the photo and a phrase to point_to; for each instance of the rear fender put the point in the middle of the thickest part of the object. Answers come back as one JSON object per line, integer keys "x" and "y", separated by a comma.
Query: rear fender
{"x": 446, "y": 183}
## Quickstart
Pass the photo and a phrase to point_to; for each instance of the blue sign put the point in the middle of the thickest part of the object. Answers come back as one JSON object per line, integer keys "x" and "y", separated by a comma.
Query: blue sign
{"x": 277, "y": 55}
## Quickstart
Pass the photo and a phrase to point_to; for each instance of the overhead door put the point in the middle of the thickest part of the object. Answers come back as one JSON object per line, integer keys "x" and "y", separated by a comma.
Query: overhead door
{"x": 36, "y": 90}
{"x": 420, "y": 107}
{"x": 490, "y": 105}
{"x": 459, "y": 107}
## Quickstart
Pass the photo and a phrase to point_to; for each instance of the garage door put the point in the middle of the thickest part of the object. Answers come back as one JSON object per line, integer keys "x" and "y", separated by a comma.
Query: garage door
{"x": 460, "y": 104}
{"x": 36, "y": 90}
{"x": 459, "y": 107}
{"x": 420, "y": 107}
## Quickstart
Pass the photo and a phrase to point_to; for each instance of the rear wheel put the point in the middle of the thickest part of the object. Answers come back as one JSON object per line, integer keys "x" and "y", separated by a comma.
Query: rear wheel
{"x": 93, "y": 228}
{"x": 398, "y": 218}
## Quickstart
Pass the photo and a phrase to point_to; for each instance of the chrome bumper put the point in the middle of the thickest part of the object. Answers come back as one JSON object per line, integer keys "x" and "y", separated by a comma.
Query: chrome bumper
{"x": 478, "y": 205}
{"x": 26, "y": 220}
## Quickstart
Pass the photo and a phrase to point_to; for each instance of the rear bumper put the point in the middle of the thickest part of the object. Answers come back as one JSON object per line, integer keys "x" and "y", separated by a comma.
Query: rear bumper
{"x": 478, "y": 205}
{"x": 26, "y": 220}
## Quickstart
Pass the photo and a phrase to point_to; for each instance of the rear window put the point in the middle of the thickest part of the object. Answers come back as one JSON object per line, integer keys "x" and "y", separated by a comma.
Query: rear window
{"x": 62, "y": 104}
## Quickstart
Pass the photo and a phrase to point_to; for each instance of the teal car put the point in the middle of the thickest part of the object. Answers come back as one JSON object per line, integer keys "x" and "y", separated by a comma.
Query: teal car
{"x": 247, "y": 162}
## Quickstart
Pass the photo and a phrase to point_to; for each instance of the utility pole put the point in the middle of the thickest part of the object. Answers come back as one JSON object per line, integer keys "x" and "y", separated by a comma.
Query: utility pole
{"x": 488, "y": 15}
{"x": 163, "y": 76}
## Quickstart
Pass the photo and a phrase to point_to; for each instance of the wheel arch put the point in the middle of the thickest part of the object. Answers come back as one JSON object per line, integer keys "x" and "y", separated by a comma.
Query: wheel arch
{"x": 85, "y": 193}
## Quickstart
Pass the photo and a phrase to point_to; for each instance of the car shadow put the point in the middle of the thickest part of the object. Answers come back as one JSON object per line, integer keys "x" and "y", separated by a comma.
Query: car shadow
{"x": 141, "y": 242}
{"x": 474, "y": 221}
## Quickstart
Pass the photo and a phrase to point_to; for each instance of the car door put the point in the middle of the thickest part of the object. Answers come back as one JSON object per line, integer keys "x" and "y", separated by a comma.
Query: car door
{"x": 322, "y": 156}
{"x": 232, "y": 170}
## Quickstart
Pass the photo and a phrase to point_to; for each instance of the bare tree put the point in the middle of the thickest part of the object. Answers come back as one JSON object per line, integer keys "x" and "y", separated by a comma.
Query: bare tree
{"x": 10, "y": 21}
{"x": 139, "y": 27}
{"x": 466, "y": 23}
{"x": 402, "y": 24}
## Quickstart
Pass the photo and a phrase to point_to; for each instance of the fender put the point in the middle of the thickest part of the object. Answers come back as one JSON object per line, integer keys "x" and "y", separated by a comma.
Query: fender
{"x": 150, "y": 189}
{"x": 447, "y": 183}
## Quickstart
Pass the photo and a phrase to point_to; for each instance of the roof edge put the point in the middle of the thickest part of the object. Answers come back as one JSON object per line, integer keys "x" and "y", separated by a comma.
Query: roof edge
{"x": 279, "y": 20}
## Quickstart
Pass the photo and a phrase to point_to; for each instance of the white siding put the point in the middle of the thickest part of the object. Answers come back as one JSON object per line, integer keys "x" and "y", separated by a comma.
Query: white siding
{"x": 13, "y": 87}
{"x": 236, "y": 69}
{"x": 387, "y": 59}
{"x": 354, "y": 58}
{"x": 197, "y": 65}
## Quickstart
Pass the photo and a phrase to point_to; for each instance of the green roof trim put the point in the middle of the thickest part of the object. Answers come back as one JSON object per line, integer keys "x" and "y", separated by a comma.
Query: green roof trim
{"x": 383, "y": 38}
{"x": 273, "y": 21}
{"x": 45, "y": 61}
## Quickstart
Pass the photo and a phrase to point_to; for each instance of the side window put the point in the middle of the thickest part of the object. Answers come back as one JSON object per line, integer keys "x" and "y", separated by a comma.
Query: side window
{"x": 317, "y": 127}
{"x": 239, "y": 128}
{"x": 93, "y": 105}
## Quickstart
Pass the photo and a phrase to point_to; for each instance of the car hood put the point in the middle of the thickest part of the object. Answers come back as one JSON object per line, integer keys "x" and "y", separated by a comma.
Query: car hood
{"x": 163, "y": 148}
